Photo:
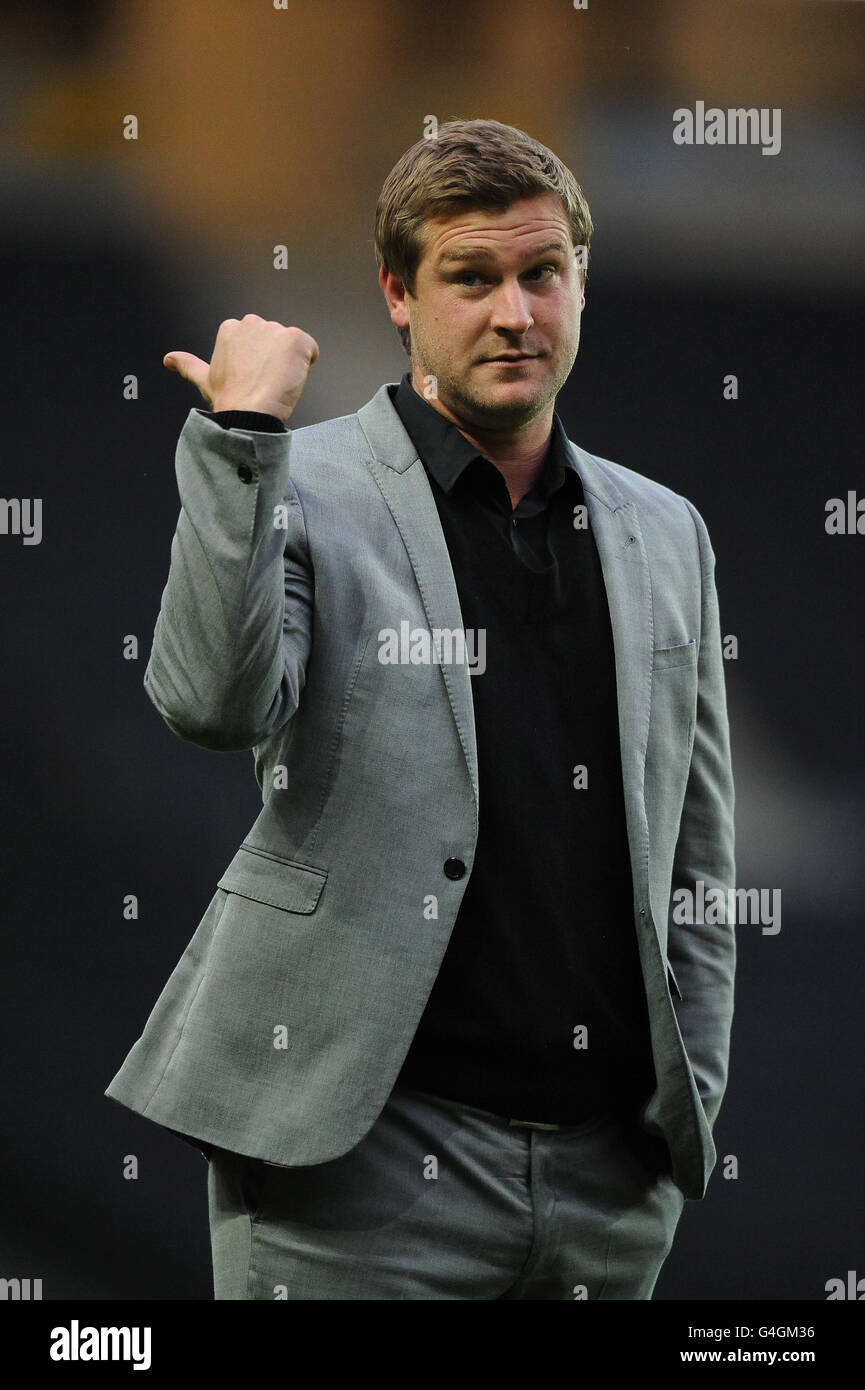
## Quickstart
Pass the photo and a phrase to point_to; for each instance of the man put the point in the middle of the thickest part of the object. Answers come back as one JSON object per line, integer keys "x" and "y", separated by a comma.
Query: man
{"x": 425, "y": 1031}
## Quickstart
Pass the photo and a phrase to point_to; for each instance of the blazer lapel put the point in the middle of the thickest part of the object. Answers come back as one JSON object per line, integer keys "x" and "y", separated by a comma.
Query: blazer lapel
{"x": 616, "y": 528}
{"x": 402, "y": 480}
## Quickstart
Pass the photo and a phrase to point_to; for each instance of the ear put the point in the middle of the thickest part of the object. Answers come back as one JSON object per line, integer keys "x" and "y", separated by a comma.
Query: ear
{"x": 394, "y": 292}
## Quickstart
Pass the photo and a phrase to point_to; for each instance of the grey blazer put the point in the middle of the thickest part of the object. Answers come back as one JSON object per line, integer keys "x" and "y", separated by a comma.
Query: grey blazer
{"x": 283, "y": 1027}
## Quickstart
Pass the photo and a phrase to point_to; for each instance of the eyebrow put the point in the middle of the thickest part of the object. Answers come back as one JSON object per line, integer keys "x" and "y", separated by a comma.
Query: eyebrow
{"x": 477, "y": 253}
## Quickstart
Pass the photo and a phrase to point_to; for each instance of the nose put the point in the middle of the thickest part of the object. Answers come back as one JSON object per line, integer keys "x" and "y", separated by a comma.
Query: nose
{"x": 510, "y": 312}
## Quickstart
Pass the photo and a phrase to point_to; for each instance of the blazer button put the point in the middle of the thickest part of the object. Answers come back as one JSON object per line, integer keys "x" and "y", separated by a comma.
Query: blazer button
{"x": 244, "y": 473}
{"x": 454, "y": 868}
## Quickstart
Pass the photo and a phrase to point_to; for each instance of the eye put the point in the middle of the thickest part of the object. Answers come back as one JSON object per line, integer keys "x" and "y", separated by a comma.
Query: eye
{"x": 468, "y": 275}
{"x": 551, "y": 268}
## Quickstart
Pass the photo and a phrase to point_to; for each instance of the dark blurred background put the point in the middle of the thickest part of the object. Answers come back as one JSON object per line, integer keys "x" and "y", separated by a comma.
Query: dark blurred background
{"x": 257, "y": 127}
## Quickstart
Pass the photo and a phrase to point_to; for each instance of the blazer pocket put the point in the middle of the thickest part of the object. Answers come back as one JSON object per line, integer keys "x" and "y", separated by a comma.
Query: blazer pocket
{"x": 674, "y": 983}
{"x": 268, "y": 878}
{"x": 684, "y": 654}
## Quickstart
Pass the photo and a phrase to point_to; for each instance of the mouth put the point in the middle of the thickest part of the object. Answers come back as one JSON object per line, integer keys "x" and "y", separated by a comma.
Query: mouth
{"x": 513, "y": 358}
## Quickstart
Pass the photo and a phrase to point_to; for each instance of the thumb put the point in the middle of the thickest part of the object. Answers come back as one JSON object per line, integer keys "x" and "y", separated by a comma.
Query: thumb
{"x": 190, "y": 367}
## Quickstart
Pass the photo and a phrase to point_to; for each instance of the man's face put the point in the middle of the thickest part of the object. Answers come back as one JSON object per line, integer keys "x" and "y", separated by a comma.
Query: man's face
{"x": 489, "y": 284}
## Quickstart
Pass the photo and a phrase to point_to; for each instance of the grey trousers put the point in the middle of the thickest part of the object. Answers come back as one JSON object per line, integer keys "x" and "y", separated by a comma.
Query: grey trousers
{"x": 444, "y": 1200}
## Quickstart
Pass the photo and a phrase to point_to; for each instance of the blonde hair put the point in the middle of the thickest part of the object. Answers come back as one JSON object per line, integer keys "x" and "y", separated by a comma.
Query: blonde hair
{"x": 469, "y": 164}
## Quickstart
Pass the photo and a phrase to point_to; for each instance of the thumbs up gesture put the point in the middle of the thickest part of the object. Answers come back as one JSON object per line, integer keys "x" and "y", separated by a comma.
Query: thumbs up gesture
{"x": 257, "y": 364}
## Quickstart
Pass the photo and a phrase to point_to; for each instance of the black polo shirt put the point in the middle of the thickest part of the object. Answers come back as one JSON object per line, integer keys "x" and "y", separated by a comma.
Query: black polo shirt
{"x": 539, "y": 1010}
{"x": 544, "y": 943}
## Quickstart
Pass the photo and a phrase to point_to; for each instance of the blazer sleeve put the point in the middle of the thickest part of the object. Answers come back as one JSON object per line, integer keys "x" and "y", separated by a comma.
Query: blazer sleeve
{"x": 234, "y": 630}
{"x": 703, "y": 956}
